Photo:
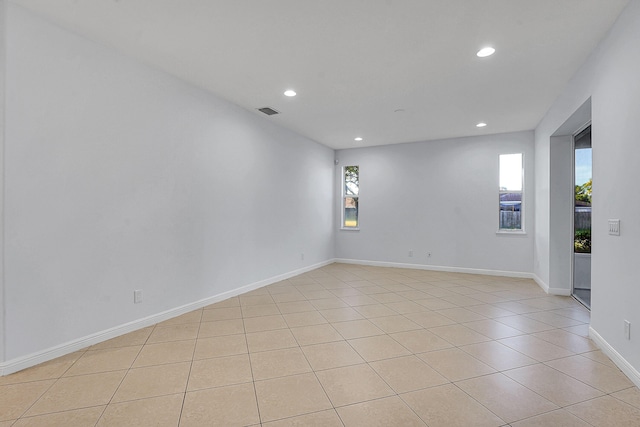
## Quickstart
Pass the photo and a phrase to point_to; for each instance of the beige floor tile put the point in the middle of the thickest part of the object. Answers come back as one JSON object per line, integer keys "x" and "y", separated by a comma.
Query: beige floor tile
{"x": 535, "y": 348}
{"x": 229, "y": 302}
{"x": 554, "y": 386}
{"x": 249, "y": 300}
{"x": 346, "y": 292}
{"x": 331, "y": 355}
{"x": 371, "y": 290}
{"x": 180, "y": 332}
{"x": 357, "y": 329}
{"x": 78, "y": 418}
{"x": 461, "y": 315}
{"x": 278, "y": 363}
{"x": 390, "y": 411}
{"x": 166, "y": 352}
{"x": 374, "y": 310}
{"x": 138, "y": 337}
{"x": 421, "y": 341}
{"x": 9, "y": 423}
{"x": 353, "y": 384}
{"x": 315, "y": 334}
{"x": 228, "y": 345}
{"x": 359, "y": 300}
{"x": 392, "y": 298}
{"x": 341, "y": 314}
{"x": 307, "y": 318}
{"x": 270, "y": 340}
{"x": 260, "y": 310}
{"x": 111, "y": 359}
{"x": 567, "y": 340}
{"x": 490, "y": 311}
{"x": 78, "y": 392}
{"x": 459, "y": 334}
{"x": 552, "y": 319}
{"x": 599, "y": 356}
{"x": 157, "y": 411}
{"x": 607, "y": 411}
{"x": 48, "y": 370}
{"x": 493, "y": 329}
{"x": 233, "y": 405}
{"x": 559, "y": 418}
{"x": 295, "y": 307}
{"x": 524, "y": 324}
{"x": 506, "y": 398}
{"x": 153, "y": 381}
{"x": 498, "y": 356}
{"x": 264, "y": 323}
{"x": 328, "y": 303}
{"x": 429, "y": 319}
{"x": 226, "y": 313}
{"x": 462, "y": 300}
{"x": 220, "y": 328}
{"x": 582, "y": 330}
{"x": 448, "y": 406}
{"x": 328, "y": 418}
{"x": 402, "y": 307}
{"x": 288, "y": 297}
{"x": 17, "y": 398}
{"x": 219, "y": 372}
{"x": 290, "y": 396}
{"x": 319, "y": 294}
{"x": 455, "y": 364}
{"x": 407, "y": 373}
{"x": 629, "y": 395}
{"x": 378, "y": 348}
{"x": 433, "y": 303}
{"x": 602, "y": 377}
{"x": 396, "y": 323}
{"x": 190, "y": 317}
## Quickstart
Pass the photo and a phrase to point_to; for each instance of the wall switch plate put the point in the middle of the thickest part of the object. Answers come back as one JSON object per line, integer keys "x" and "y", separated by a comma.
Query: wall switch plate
{"x": 410, "y": 253}
{"x": 301, "y": 256}
{"x": 627, "y": 329}
{"x": 614, "y": 227}
{"x": 137, "y": 296}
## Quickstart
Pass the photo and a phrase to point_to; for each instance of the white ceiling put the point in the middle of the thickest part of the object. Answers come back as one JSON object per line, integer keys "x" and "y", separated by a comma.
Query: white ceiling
{"x": 354, "y": 62}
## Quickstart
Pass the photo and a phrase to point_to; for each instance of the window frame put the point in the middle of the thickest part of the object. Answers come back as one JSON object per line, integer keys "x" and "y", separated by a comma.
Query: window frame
{"x": 520, "y": 230}
{"x": 346, "y": 196}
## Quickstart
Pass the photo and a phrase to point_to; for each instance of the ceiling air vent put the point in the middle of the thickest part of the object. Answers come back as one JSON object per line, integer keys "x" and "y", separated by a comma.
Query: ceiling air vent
{"x": 268, "y": 111}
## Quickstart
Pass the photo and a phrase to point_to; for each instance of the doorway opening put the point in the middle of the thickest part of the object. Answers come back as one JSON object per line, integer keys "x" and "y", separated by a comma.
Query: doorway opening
{"x": 581, "y": 287}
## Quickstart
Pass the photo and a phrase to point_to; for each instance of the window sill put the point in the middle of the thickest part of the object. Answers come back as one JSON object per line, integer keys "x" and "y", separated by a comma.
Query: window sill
{"x": 350, "y": 228}
{"x": 511, "y": 232}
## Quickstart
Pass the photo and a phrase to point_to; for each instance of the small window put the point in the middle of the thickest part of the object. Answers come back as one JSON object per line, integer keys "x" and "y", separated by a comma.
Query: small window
{"x": 350, "y": 192}
{"x": 510, "y": 206}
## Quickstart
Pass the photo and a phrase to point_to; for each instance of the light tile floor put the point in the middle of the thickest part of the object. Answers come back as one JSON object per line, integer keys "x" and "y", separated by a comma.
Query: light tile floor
{"x": 343, "y": 345}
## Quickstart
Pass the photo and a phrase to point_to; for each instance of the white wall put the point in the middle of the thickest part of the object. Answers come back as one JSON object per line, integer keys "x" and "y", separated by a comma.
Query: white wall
{"x": 610, "y": 78}
{"x": 2, "y": 131}
{"x": 120, "y": 177}
{"x": 439, "y": 197}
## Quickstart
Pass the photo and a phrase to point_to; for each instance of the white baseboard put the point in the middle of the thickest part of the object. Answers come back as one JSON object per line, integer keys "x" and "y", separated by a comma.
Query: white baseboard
{"x": 551, "y": 291}
{"x": 483, "y": 272}
{"x": 36, "y": 358}
{"x": 615, "y": 357}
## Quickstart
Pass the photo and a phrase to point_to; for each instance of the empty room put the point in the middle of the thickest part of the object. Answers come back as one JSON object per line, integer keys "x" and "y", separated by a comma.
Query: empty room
{"x": 330, "y": 213}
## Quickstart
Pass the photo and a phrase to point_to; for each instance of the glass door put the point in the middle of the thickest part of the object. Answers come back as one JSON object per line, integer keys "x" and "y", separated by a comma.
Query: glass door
{"x": 582, "y": 217}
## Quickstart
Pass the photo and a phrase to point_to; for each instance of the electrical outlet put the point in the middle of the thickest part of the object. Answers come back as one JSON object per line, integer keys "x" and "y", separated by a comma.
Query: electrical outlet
{"x": 627, "y": 329}
{"x": 302, "y": 256}
{"x": 410, "y": 253}
{"x": 614, "y": 227}
{"x": 137, "y": 296}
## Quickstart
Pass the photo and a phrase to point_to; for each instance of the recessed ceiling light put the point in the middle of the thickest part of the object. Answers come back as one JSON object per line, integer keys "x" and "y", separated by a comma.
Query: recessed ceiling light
{"x": 481, "y": 124}
{"x": 486, "y": 51}
{"x": 358, "y": 139}
{"x": 290, "y": 92}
